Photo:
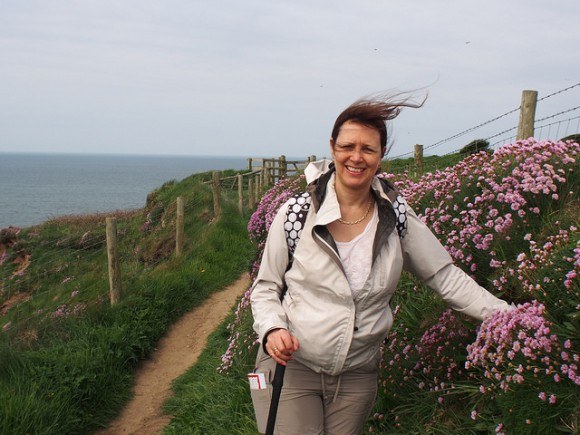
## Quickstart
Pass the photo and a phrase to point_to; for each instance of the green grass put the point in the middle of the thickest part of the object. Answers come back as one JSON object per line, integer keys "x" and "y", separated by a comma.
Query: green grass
{"x": 209, "y": 402}
{"x": 430, "y": 164}
{"x": 72, "y": 373}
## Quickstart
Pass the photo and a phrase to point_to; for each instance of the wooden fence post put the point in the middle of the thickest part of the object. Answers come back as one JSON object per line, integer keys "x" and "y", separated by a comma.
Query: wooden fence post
{"x": 527, "y": 115}
{"x": 419, "y": 158}
{"x": 179, "y": 226}
{"x": 216, "y": 194}
{"x": 241, "y": 193}
{"x": 268, "y": 172}
{"x": 250, "y": 193}
{"x": 250, "y": 164}
{"x": 256, "y": 189}
{"x": 113, "y": 256}
{"x": 282, "y": 169}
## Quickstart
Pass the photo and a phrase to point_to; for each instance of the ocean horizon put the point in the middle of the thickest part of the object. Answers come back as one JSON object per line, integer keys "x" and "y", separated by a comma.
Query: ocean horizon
{"x": 35, "y": 187}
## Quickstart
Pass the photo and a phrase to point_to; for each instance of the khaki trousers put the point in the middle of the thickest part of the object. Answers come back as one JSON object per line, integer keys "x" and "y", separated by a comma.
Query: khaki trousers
{"x": 313, "y": 403}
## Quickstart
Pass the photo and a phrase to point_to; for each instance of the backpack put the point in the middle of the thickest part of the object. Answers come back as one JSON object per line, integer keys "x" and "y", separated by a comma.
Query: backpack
{"x": 297, "y": 212}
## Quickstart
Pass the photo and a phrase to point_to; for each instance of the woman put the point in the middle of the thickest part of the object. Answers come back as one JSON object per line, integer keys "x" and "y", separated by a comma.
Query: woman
{"x": 328, "y": 327}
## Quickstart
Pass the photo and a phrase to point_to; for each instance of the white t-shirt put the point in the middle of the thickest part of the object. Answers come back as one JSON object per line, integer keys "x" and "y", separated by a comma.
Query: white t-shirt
{"x": 357, "y": 255}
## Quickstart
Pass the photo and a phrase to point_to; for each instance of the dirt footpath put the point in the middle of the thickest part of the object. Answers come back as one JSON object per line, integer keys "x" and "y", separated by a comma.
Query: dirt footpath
{"x": 176, "y": 352}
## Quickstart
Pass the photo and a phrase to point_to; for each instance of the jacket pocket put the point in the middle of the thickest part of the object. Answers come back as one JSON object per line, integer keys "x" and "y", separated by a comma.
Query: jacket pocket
{"x": 261, "y": 401}
{"x": 261, "y": 398}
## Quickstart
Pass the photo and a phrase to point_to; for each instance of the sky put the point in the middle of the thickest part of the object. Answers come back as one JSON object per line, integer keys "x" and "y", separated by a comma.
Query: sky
{"x": 264, "y": 78}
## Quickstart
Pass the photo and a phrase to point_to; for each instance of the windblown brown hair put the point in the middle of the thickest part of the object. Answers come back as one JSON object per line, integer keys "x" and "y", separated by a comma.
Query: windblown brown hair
{"x": 375, "y": 112}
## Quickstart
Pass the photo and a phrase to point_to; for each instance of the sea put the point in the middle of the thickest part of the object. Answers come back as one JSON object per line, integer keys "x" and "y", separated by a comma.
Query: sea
{"x": 38, "y": 187}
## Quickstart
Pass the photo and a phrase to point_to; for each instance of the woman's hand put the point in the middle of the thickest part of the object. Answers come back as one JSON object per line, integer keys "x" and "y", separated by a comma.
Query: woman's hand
{"x": 280, "y": 345}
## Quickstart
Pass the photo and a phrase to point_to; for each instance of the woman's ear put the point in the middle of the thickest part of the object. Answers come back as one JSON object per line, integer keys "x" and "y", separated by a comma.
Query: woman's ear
{"x": 332, "y": 148}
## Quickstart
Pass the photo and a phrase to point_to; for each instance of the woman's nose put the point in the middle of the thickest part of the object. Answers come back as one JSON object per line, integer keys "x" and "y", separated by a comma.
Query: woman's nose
{"x": 356, "y": 155}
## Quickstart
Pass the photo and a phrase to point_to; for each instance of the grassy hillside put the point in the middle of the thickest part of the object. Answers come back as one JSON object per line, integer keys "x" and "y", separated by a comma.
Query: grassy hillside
{"x": 511, "y": 221}
{"x": 66, "y": 355}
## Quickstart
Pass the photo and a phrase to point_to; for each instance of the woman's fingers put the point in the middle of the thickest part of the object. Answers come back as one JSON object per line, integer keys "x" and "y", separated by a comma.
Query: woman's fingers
{"x": 289, "y": 342}
{"x": 281, "y": 345}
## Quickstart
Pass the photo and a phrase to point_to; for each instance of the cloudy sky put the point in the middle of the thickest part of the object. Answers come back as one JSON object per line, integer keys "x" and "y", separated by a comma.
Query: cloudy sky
{"x": 264, "y": 78}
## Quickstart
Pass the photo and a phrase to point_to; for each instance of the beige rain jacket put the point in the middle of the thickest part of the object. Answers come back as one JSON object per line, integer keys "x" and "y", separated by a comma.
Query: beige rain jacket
{"x": 335, "y": 332}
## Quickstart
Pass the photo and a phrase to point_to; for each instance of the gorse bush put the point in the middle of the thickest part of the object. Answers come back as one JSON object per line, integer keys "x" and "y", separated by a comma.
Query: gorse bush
{"x": 475, "y": 146}
{"x": 509, "y": 219}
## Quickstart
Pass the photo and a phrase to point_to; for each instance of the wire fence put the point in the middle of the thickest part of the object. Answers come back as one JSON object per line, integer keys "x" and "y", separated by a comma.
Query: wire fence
{"x": 48, "y": 285}
{"x": 43, "y": 283}
{"x": 503, "y": 128}
{"x": 52, "y": 283}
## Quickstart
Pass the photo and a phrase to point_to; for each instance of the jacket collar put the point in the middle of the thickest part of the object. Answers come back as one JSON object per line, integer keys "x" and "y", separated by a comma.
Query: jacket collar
{"x": 321, "y": 175}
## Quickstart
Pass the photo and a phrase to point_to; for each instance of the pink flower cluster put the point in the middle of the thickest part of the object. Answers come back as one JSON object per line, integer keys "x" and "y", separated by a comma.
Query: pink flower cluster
{"x": 501, "y": 193}
{"x": 432, "y": 363}
{"x": 535, "y": 271}
{"x": 65, "y": 311}
{"x": 262, "y": 218}
{"x": 517, "y": 345}
{"x": 239, "y": 343}
{"x": 269, "y": 205}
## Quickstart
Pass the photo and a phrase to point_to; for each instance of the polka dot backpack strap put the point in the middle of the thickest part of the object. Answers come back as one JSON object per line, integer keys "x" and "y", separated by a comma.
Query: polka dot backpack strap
{"x": 400, "y": 208}
{"x": 298, "y": 207}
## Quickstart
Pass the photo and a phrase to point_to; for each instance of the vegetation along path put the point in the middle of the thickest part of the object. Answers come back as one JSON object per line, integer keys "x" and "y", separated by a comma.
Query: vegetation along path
{"x": 175, "y": 353}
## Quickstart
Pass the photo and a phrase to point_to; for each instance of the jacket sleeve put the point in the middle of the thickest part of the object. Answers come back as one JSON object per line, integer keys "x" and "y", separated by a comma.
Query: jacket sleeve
{"x": 464, "y": 294}
{"x": 426, "y": 258}
{"x": 267, "y": 288}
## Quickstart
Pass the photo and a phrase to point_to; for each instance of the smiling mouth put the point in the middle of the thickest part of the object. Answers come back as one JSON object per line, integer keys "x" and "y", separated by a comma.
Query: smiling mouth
{"x": 356, "y": 170}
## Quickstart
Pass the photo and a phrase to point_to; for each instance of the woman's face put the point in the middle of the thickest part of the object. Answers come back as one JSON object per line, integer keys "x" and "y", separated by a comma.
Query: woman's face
{"x": 357, "y": 155}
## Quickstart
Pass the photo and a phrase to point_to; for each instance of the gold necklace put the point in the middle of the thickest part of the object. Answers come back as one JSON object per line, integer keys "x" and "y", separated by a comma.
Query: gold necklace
{"x": 358, "y": 221}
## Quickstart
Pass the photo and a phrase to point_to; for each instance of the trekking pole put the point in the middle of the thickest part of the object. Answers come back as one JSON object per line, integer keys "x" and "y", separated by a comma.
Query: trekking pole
{"x": 277, "y": 383}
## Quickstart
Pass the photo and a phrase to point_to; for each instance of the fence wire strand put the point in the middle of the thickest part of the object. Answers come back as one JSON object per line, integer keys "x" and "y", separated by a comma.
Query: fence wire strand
{"x": 469, "y": 130}
{"x": 557, "y": 114}
{"x": 558, "y": 92}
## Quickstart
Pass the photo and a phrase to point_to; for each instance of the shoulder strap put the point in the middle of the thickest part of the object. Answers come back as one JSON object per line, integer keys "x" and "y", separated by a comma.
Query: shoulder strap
{"x": 400, "y": 208}
{"x": 298, "y": 208}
